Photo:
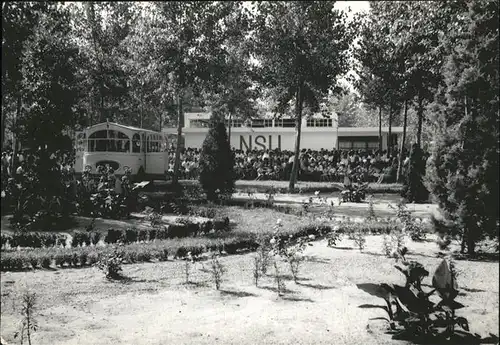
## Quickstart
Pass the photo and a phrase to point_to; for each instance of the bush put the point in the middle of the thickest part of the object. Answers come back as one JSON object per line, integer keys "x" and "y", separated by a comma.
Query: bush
{"x": 95, "y": 237}
{"x": 152, "y": 234}
{"x": 111, "y": 265}
{"x": 5, "y": 239}
{"x": 46, "y": 261}
{"x": 163, "y": 254}
{"x": 142, "y": 236}
{"x": 144, "y": 255}
{"x": 93, "y": 258}
{"x": 33, "y": 259}
{"x": 216, "y": 163}
{"x": 82, "y": 257}
{"x": 59, "y": 259}
{"x": 113, "y": 236}
{"x": 414, "y": 189}
{"x": 131, "y": 235}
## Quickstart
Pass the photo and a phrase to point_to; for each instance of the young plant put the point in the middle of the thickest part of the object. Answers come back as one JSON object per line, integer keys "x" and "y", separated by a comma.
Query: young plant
{"x": 280, "y": 284}
{"x": 371, "y": 211}
{"x": 359, "y": 238}
{"x": 28, "y": 323}
{"x": 264, "y": 253}
{"x": 334, "y": 236}
{"x": 187, "y": 269}
{"x": 217, "y": 270}
{"x": 294, "y": 261}
{"x": 257, "y": 267}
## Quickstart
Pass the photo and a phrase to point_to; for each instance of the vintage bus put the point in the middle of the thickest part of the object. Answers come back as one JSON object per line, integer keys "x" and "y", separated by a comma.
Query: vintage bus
{"x": 143, "y": 151}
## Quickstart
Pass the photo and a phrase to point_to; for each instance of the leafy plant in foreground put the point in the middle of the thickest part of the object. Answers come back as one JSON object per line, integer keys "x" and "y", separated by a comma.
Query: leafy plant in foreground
{"x": 417, "y": 318}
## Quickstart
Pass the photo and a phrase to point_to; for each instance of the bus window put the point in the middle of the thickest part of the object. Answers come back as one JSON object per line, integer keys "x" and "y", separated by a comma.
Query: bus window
{"x": 136, "y": 143}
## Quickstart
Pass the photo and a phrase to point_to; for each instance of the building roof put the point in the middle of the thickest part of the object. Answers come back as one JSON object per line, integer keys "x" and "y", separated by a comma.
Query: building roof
{"x": 114, "y": 124}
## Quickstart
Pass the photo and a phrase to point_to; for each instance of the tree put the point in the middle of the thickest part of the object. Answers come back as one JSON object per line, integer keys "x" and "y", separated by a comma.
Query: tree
{"x": 101, "y": 30}
{"x": 414, "y": 189}
{"x": 216, "y": 164}
{"x": 303, "y": 48}
{"x": 463, "y": 169}
{"x": 47, "y": 85}
{"x": 189, "y": 40}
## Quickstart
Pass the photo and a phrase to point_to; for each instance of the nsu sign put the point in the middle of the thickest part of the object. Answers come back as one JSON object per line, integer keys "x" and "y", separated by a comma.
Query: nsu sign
{"x": 259, "y": 142}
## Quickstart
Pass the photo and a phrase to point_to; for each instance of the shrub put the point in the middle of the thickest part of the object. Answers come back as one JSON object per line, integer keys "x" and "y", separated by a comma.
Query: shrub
{"x": 130, "y": 235}
{"x": 93, "y": 258}
{"x": 152, "y": 234}
{"x": 142, "y": 236}
{"x": 176, "y": 230}
{"x": 181, "y": 252}
{"x": 111, "y": 264}
{"x": 75, "y": 259}
{"x": 414, "y": 189}
{"x": 46, "y": 261}
{"x": 59, "y": 259}
{"x": 82, "y": 257}
{"x": 132, "y": 256}
{"x": 144, "y": 255}
{"x": 216, "y": 163}
{"x": 95, "y": 237}
{"x": 113, "y": 236}
{"x": 33, "y": 259}
{"x": 49, "y": 240}
{"x": 5, "y": 239}
{"x": 163, "y": 254}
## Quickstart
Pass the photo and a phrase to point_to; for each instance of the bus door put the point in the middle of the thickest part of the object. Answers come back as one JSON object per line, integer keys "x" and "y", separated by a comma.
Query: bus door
{"x": 164, "y": 149}
{"x": 80, "y": 148}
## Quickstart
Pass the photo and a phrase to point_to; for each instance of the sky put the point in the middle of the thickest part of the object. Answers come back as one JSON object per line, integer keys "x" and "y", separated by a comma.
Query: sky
{"x": 356, "y": 6}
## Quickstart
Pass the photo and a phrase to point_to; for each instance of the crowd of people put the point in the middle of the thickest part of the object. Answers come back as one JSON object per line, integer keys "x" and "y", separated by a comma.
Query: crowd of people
{"x": 322, "y": 165}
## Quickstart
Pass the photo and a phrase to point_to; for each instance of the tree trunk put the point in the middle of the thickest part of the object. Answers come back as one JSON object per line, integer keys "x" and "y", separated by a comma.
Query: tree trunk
{"x": 5, "y": 8}
{"x": 420, "y": 116}
{"x": 389, "y": 141}
{"x": 400, "y": 163}
{"x": 229, "y": 129}
{"x": 298, "y": 128}
{"x": 142, "y": 108}
{"x": 14, "y": 141}
{"x": 177, "y": 161}
{"x": 102, "y": 104}
{"x": 380, "y": 128}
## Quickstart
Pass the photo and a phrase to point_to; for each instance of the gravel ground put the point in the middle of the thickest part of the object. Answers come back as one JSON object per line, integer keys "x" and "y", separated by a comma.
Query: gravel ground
{"x": 156, "y": 306}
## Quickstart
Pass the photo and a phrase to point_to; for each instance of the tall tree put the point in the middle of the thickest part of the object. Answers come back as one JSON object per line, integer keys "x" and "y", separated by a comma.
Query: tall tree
{"x": 304, "y": 48}
{"x": 189, "y": 39}
{"x": 101, "y": 30}
{"x": 463, "y": 168}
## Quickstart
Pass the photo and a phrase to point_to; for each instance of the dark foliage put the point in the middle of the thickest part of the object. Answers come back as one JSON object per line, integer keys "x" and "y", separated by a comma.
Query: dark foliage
{"x": 216, "y": 165}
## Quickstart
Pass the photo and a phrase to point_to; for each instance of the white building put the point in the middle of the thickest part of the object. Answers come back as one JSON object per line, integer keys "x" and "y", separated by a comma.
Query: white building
{"x": 318, "y": 133}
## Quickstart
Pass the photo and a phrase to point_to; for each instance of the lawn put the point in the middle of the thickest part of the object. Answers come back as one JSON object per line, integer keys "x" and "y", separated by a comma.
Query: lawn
{"x": 156, "y": 306}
